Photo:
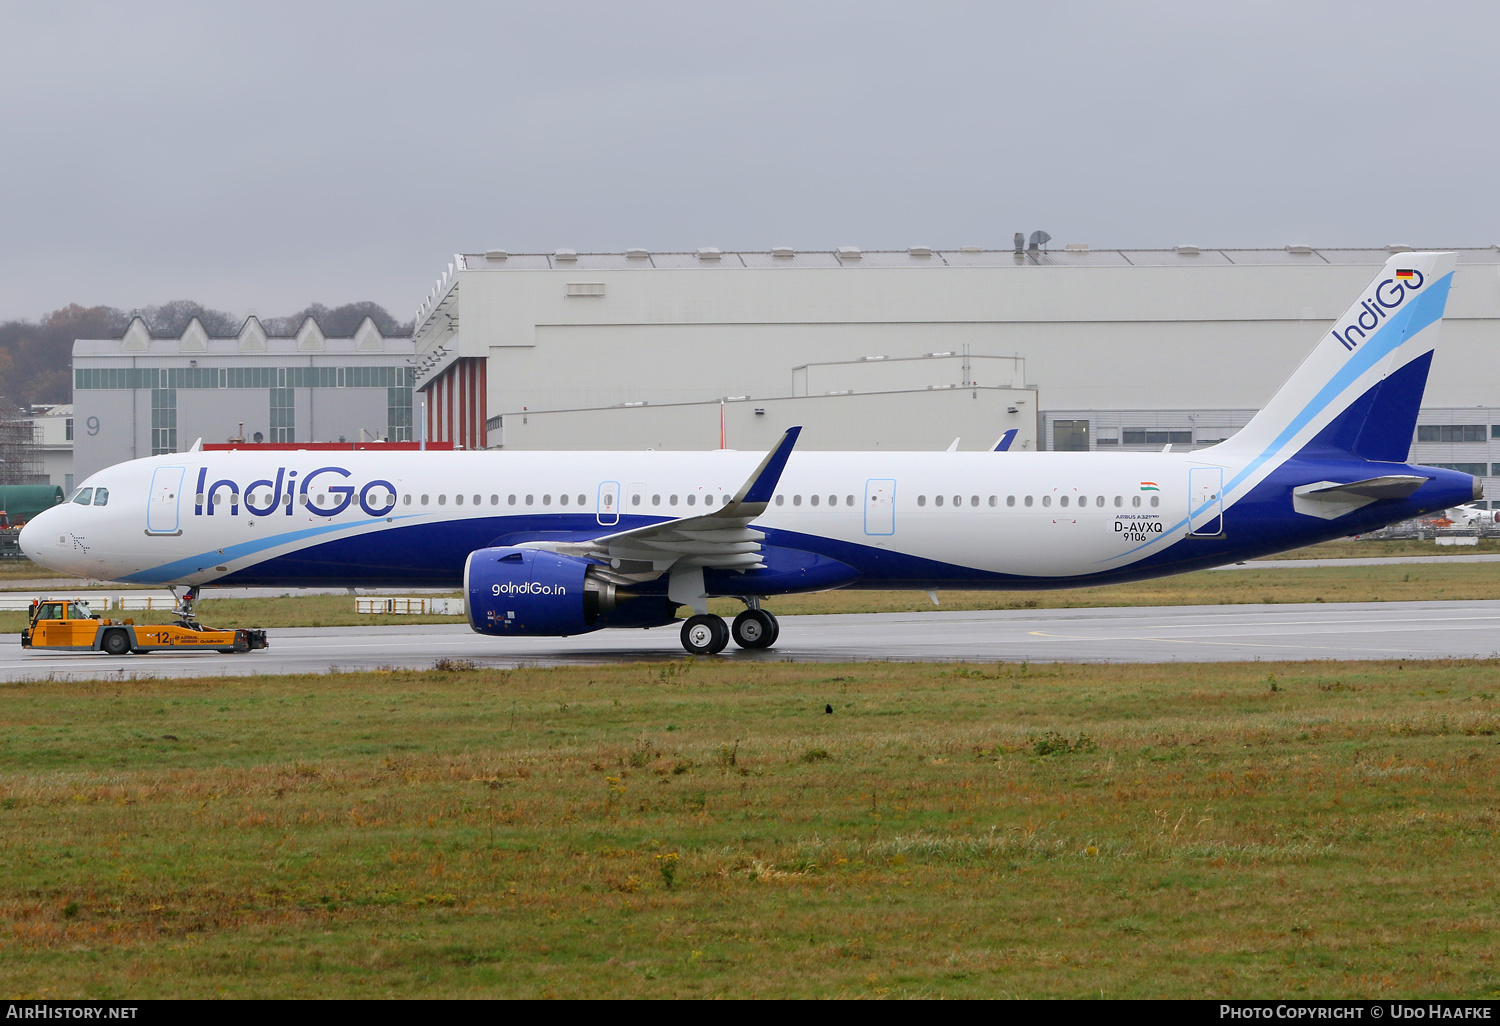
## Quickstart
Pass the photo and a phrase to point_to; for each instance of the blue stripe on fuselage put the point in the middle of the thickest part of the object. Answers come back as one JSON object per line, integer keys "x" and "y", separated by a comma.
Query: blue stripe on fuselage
{"x": 432, "y": 553}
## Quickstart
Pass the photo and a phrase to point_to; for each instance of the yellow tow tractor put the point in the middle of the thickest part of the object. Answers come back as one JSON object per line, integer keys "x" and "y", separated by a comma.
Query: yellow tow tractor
{"x": 67, "y": 625}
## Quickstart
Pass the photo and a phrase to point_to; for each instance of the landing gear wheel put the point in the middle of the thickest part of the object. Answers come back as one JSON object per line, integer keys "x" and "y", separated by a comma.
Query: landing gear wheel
{"x": 704, "y": 634}
{"x": 116, "y": 643}
{"x": 755, "y": 628}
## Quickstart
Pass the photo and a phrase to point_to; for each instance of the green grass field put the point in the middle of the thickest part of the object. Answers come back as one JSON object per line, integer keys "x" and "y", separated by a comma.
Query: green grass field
{"x": 703, "y": 829}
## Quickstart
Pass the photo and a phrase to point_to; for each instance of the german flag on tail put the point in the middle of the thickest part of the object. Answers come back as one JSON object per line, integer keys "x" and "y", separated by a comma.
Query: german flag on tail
{"x": 1404, "y": 276}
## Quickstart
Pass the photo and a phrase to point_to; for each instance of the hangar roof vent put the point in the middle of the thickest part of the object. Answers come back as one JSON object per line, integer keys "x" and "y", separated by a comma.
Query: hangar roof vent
{"x": 1300, "y": 250}
{"x": 920, "y": 251}
{"x": 1186, "y": 250}
{"x": 783, "y": 252}
{"x": 565, "y": 254}
{"x": 849, "y": 253}
{"x": 709, "y": 253}
{"x": 971, "y": 249}
{"x": 1397, "y": 247}
{"x": 495, "y": 254}
{"x": 636, "y": 254}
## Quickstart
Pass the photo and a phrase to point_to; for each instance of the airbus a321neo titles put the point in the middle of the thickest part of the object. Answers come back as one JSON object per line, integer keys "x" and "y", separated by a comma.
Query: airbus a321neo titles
{"x": 563, "y": 543}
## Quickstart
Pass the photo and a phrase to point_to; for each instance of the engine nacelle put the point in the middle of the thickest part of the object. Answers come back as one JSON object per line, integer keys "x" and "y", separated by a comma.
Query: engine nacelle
{"x": 514, "y": 591}
{"x": 525, "y": 591}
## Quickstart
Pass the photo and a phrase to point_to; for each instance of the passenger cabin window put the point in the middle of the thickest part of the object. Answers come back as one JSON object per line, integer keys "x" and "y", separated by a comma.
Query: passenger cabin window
{"x": 84, "y": 496}
{"x": 1119, "y": 501}
{"x": 530, "y": 499}
{"x": 442, "y": 500}
{"x": 833, "y": 500}
{"x": 101, "y": 496}
{"x": 635, "y": 500}
{"x": 796, "y": 500}
{"x": 691, "y": 499}
{"x": 921, "y": 500}
{"x": 495, "y": 500}
{"x": 511, "y": 499}
{"x": 1028, "y": 500}
{"x": 781, "y": 500}
{"x": 458, "y": 500}
{"x": 1046, "y": 500}
{"x": 546, "y": 500}
{"x": 563, "y": 499}
{"x": 424, "y": 500}
{"x": 1156, "y": 500}
{"x": 582, "y": 499}
{"x": 813, "y": 499}
{"x": 1062, "y": 500}
{"x": 656, "y": 500}
{"x": 671, "y": 500}
{"x": 1135, "y": 500}
{"x": 1010, "y": 500}
{"x": 476, "y": 500}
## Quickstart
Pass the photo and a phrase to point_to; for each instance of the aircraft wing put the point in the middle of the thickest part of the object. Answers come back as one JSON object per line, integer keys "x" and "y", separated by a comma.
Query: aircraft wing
{"x": 721, "y": 540}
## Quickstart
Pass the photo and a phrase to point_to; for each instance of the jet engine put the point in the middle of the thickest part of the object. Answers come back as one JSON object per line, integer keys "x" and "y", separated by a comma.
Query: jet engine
{"x": 515, "y": 591}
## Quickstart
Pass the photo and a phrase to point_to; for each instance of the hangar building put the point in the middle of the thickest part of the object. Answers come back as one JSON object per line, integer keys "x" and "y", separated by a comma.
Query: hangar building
{"x": 1124, "y": 349}
{"x": 140, "y": 396}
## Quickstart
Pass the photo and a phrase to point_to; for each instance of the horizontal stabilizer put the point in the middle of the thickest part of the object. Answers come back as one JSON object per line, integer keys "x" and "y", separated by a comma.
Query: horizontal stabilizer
{"x": 1330, "y": 500}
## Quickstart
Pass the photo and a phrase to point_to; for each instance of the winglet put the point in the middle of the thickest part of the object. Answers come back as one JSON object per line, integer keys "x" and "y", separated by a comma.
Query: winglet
{"x": 761, "y": 485}
{"x": 1002, "y": 444}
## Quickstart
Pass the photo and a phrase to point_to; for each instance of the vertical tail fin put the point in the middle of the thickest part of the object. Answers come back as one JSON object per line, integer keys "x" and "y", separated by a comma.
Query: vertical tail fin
{"x": 1357, "y": 394}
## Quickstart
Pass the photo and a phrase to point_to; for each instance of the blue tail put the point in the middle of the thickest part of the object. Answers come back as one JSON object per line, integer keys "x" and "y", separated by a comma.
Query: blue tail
{"x": 1379, "y": 424}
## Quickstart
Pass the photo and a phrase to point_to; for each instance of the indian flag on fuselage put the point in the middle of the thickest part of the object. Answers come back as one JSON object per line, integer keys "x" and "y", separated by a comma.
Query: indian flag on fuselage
{"x": 1149, "y": 486}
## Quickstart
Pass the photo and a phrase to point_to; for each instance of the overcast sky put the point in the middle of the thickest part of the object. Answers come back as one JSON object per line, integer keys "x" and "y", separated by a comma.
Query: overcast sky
{"x": 259, "y": 156}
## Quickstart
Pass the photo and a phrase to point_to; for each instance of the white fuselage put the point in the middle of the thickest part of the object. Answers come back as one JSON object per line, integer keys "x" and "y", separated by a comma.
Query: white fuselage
{"x": 1030, "y": 514}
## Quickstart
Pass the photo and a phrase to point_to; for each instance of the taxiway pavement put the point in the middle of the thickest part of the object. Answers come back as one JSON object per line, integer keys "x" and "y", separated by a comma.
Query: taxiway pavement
{"x": 1371, "y": 630}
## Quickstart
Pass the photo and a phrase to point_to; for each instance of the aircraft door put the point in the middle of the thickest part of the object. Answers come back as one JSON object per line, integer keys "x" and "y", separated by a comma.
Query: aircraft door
{"x": 609, "y": 503}
{"x": 161, "y": 509}
{"x": 1205, "y": 502}
{"x": 880, "y": 506}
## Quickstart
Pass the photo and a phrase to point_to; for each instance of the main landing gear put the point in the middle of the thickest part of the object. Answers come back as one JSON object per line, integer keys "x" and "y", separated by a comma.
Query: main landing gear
{"x": 707, "y": 634}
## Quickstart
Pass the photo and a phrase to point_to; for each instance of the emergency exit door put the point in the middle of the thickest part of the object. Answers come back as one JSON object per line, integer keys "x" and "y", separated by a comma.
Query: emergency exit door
{"x": 880, "y": 506}
{"x": 1205, "y": 502}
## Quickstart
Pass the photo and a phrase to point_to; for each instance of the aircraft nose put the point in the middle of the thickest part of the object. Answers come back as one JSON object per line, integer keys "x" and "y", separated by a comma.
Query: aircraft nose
{"x": 30, "y": 538}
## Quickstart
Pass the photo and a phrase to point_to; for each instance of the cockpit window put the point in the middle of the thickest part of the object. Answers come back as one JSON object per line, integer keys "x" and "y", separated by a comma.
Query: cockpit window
{"x": 84, "y": 496}
{"x": 101, "y": 496}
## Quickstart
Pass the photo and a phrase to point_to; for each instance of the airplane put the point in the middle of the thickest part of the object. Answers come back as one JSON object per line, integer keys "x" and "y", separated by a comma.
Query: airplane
{"x": 564, "y": 543}
{"x": 1465, "y": 516}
